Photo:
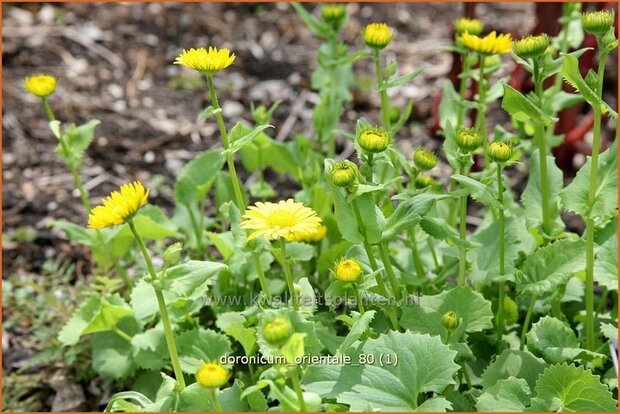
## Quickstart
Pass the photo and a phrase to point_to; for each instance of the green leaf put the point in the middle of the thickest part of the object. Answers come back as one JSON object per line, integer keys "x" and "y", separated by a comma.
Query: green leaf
{"x": 551, "y": 266}
{"x": 507, "y": 395}
{"x": 149, "y": 349}
{"x": 572, "y": 75}
{"x": 112, "y": 355}
{"x": 361, "y": 322}
{"x": 196, "y": 177}
{"x": 192, "y": 278}
{"x": 408, "y": 213}
{"x": 240, "y": 136}
{"x": 144, "y": 301}
{"x": 575, "y": 195}
{"x": 442, "y": 230}
{"x": 606, "y": 264}
{"x": 200, "y": 345}
{"x": 343, "y": 211}
{"x": 478, "y": 191}
{"x": 195, "y": 398}
{"x": 448, "y": 110}
{"x": 485, "y": 256}
{"x": 532, "y": 196}
{"x": 513, "y": 363}
{"x": 208, "y": 112}
{"x": 401, "y": 80}
{"x": 556, "y": 342}
{"x": 233, "y": 324}
{"x": 76, "y": 233}
{"x": 570, "y": 388}
{"x": 449, "y": 145}
{"x": 473, "y": 309}
{"x": 374, "y": 221}
{"x": 167, "y": 397}
{"x": 522, "y": 108}
{"x": 424, "y": 365}
{"x": 319, "y": 27}
{"x": 95, "y": 315}
{"x": 76, "y": 139}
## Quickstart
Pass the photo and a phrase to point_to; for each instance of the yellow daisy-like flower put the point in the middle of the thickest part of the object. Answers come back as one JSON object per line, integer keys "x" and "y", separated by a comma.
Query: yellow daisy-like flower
{"x": 348, "y": 270}
{"x": 491, "y": 44}
{"x": 212, "y": 375}
{"x": 377, "y": 35}
{"x": 315, "y": 236}
{"x": 286, "y": 219}
{"x": 40, "y": 85}
{"x": 206, "y": 61}
{"x": 119, "y": 207}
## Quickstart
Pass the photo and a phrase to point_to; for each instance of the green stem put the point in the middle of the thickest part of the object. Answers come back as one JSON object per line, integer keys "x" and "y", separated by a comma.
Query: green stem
{"x": 502, "y": 243}
{"x": 163, "y": 310}
{"x": 298, "y": 391}
{"x": 122, "y": 334}
{"x": 417, "y": 260}
{"x": 466, "y": 375}
{"x": 596, "y": 143}
{"x": 462, "y": 90}
{"x": 385, "y": 103}
{"x": 197, "y": 230}
{"x": 481, "y": 120}
{"x": 431, "y": 247}
{"x": 288, "y": 274}
{"x": 229, "y": 156}
{"x": 48, "y": 109}
{"x": 526, "y": 322}
{"x": 374, "y": 266}
{"x": 389, "y": 270}
{"x": 463, "y": 236}
{"x": 358, "y": 297}
{"x": 213, "y": 396}
{"x": 540, "y": 139}
{"x": 261, "y": 275}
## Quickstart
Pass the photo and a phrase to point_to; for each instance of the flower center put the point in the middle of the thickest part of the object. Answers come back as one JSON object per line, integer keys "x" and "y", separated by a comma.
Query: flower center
{"x": 281, "y": 219}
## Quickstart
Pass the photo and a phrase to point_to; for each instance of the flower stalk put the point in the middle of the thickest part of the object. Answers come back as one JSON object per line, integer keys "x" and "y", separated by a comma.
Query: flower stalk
{"x": 540, "y": 140}
{"x": 288, "y": 274}
{"x": 385, "y": 103}
{"x": 502, "y": 256}
{"x": 163, "y": 310}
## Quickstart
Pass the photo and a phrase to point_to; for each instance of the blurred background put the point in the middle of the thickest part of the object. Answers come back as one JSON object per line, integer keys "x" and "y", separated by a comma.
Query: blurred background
{"x": 113, "y": 62}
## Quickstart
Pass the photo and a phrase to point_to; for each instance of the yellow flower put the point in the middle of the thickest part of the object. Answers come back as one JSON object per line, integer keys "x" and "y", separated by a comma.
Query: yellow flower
{"x": 208, "y": 62}
{"x": 491, "y": 44}
{"x": 119, "y": 207}
{"x": 286, "y": 219}
{"x": 40, "y": 85}
{"x": 377, "y": 35}
{"x": 315, "y": 236}
{"x": 212, "y": 375}
{"x": 471, "y": 26}
{"x": 348, "y": 270}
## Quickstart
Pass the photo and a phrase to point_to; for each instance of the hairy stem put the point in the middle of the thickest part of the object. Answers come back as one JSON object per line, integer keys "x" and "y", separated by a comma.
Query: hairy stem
{"x": 526, "y": 322}
{"x": 389, "y": 270}
{"x": 540, "y": 140}
{"x": 288, "y": 274}
{"x": 163, "y": 310}
{"x": 385, "y": 103}
{"x": 481, "y": 120}
{"x": 214, "y": 400}
{"x": 502, "y": 242}
{"x": 462, "y": 90}
{"x": 297, "y": 386}
{"x": 463, "y": 236}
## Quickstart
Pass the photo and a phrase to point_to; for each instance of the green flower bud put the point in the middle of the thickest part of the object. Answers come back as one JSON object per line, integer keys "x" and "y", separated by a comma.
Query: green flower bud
{"x": 394, "y": 114}
{"x": 511, "y": 311}
{"x": 598, "y": 22}
{"x": 276, "y": 329}
{"x": 344, "y": 174}
{"x": 377, "y": 35}
{"x": 450, "y": 321}
{"x": 260, "y": 115}
{"x": 212, "y": 375}
{"x": 333, "y": 13}
{"x": 531, "y": 46}
{"x": 423, "y": 181}
{"x": 172, "y": 255}
{"x": 500, "y": 152}
{"x": 469, "y": 139}
{"x": 424, "y": 159}
{"x": 471, "y": 26}
{"x": 373, "y": 139}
